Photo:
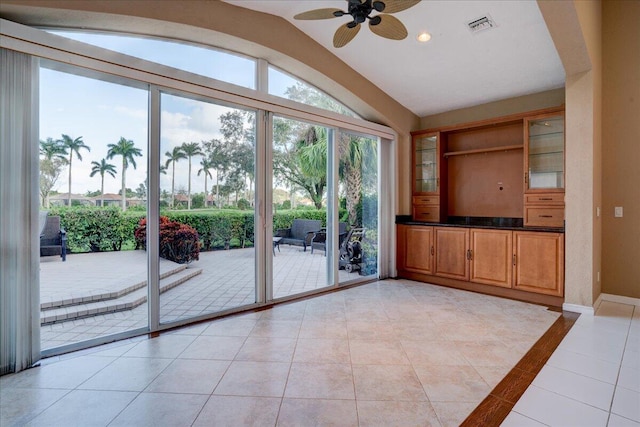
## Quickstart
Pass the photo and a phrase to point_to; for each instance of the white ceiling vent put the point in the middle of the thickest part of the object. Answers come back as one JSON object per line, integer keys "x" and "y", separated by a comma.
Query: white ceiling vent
{"x": 481, "y": 24}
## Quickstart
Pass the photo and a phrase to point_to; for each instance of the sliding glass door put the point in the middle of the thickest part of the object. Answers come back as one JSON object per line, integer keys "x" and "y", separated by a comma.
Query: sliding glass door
{"x": 358, "y": 192}
{"x": 299, "y": 206}
{"x": 207, "y": 210}
{"x": 93, "y": 157}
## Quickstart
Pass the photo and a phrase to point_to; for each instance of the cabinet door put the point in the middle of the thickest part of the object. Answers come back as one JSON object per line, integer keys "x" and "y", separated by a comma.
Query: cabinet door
{"x": 426, "y": 154}
{"x": 452, "y": 252}
{"x": 544, "y": 153}
{"x": 417, "y": 249}
{"x": 491, "y": 257}
{"x": 539, "y": 262}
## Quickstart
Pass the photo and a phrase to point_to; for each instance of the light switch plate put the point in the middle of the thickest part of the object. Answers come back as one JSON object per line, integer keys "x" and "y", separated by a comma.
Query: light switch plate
{"x": 618, "y": 212}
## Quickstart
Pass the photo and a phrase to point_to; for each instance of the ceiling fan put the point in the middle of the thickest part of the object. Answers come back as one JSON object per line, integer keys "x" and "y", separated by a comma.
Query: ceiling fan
{"x": 382, "y": 24}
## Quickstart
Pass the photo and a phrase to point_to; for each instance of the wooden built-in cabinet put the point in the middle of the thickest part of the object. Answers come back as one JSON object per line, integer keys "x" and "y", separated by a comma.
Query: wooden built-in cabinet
{"x": 451, "y": 252}
{"x": 415, "y": 248}
{"x": 516, "y": 260}
{"x": 544, "y": 170}
{"x": 510, "y": 167}
{"x": 491, "y": 254}
{"x": 539, "y": 262}
{"x": 426, "y": 177}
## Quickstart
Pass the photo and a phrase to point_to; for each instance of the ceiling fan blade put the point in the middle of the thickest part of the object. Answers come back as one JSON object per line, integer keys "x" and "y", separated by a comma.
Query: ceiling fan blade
{"x": 344, "y": 35}
{"x": 393, "y": 6}
{"x": 317, "y": 14}
{"x": 389, "y": 27}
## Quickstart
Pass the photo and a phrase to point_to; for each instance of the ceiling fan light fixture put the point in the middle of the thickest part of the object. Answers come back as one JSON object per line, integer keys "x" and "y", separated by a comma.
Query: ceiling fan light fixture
{"x": 423, "y": 37}
{"x": 375, "y": 20}
{"x": 378, "y": 6}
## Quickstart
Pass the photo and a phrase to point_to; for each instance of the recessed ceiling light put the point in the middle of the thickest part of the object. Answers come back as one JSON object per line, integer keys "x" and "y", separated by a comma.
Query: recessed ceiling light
{"x": 424, "y": 37}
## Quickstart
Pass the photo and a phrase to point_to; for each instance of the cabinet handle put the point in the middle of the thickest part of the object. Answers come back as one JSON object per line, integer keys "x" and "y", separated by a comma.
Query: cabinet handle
{"x": 469, "y": 254}
{"x": 545, "y": 216}
{"x": 545, "y": 198}
{"x": 432, "y": 251}
{"x": 514, "y": 259}
{"x": 526, "y": 181}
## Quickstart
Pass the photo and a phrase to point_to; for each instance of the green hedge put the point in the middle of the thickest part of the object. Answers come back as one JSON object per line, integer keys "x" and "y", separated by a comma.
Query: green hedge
{"x": 97, "y": 229}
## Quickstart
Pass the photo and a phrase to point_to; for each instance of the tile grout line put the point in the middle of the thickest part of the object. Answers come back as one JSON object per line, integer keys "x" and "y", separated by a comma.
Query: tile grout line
{"x": 615, "y": 387}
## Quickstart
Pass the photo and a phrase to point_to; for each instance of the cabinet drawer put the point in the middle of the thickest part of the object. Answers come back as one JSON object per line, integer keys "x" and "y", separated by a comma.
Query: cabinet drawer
{"x": 544, "y": 199}
{"x": 426, "y": 213}
{"x": 544, "y": 216}
{"x": 426, "y": 200}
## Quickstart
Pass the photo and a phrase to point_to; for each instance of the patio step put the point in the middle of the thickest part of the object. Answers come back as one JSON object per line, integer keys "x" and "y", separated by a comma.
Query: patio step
{"x": 97, "y": 295}
{"x": 132, "y": 299}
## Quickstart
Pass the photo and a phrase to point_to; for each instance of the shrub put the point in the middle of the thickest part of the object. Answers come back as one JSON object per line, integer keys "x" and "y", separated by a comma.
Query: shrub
{"x": 244, "y": 204}
{"x": 197, "y": 201}
{"x": 178, "y": 242}
{"x": 109, "y": 229}
{"x": 96, "y": 229}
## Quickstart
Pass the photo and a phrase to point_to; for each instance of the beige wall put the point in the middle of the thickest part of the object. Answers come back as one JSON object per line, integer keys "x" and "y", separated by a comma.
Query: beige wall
{"x": 520, "y": 104}
{"x": 575, "y": 29}
{"x": 621, "y": 148}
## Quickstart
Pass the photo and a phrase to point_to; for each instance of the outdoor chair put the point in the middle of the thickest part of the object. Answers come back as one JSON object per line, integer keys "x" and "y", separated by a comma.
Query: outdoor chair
{"x": 53, "y": 239}
{"x": 300, "y": 233}
{"x": 319, "y": 239}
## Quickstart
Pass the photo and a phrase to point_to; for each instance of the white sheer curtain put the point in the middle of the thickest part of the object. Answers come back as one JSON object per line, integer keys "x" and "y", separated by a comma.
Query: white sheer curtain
{"x": 19, "y": 240}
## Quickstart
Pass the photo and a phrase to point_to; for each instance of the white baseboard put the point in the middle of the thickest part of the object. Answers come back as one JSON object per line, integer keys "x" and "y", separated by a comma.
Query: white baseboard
{"x": 620, "y": 299}
{"x": 585, "y": 309}
{"x": 575, "y": 308}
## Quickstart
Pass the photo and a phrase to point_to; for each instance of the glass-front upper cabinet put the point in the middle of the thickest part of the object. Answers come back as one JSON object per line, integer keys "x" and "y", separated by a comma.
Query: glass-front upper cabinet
{"x": 425, "y": 163}
{"x": 544, "y": 155}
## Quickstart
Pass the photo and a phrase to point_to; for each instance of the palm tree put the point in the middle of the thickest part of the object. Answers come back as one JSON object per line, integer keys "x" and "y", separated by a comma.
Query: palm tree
{"x": 127, "y": 149}
{"x": 53, "y": 158}
{"x": 73, "y": 146}
{"x": 53, "y": 150}
{"x": 102, "y": 168}
{"x": 207, "y": 165}
{"x": 310, "y": 162}
{"x": 172, "y": 158}
{"x": 190, "y": 149}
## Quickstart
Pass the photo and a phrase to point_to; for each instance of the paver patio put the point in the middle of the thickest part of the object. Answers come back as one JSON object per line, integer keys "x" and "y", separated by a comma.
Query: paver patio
{"x": 226, "y": 281}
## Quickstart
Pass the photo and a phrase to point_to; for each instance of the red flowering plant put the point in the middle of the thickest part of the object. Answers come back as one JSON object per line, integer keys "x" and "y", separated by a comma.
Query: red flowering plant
{"x": 178, "y": 242}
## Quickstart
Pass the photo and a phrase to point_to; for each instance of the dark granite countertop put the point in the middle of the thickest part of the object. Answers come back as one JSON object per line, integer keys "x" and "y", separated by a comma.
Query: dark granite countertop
{"x": 479, "y": 222}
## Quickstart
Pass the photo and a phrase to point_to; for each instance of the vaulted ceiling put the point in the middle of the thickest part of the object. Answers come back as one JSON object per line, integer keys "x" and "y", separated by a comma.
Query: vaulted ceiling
{"x": 456, "y": 68}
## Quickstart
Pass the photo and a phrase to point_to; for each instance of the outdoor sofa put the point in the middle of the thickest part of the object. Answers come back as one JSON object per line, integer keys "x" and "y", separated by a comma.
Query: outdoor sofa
{"x": 300, "y": 233}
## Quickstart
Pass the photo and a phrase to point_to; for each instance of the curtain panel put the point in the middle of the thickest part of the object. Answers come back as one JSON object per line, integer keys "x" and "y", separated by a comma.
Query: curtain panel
{"x": 19, "y": 201}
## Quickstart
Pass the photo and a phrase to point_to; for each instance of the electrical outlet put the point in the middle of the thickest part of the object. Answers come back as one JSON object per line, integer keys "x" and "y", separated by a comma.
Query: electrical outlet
{"x": 618, "y": 212}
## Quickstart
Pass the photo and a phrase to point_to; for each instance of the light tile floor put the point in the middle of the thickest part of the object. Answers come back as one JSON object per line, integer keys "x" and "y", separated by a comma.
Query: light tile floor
{"x": 389, "y": 353}
{"x": 593, "y": 377}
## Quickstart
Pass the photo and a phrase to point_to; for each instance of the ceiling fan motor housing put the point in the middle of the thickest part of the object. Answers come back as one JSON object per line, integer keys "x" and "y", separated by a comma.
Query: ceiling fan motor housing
{"x": 360, "y": 11}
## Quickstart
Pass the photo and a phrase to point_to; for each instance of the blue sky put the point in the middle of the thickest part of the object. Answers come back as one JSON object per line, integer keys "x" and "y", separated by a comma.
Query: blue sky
{"x": 101, "y": 113}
